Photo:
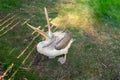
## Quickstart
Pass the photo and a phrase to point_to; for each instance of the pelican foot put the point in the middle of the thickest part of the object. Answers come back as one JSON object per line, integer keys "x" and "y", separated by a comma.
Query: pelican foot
{"x": 62, "y": 59}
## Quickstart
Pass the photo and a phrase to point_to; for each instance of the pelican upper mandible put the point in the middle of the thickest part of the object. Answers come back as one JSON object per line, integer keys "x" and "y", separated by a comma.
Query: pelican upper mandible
{"x": 55, "y": 44}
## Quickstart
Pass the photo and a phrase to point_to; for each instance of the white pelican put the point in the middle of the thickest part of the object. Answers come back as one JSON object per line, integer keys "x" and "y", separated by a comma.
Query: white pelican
{"x": 55, "y": 44}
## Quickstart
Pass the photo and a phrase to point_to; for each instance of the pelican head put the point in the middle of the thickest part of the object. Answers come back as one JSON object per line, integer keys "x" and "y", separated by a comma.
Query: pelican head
{"x": 46, "y": 36}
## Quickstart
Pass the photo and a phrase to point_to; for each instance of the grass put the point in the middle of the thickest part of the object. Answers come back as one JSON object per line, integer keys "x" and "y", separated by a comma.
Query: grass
{"x": 95, "y": 54}
{"x": 107, "y": 11}
{"x": 7, "y": 6}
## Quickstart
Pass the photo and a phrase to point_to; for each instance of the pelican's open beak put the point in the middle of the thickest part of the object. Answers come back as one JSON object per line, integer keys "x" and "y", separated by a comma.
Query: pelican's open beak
{"x": 39, "y": 31}
{"x": 47, "y": 18}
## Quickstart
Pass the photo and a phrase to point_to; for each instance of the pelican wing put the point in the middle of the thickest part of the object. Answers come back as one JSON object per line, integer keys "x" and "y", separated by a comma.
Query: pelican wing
{"x": 63, "y": 42}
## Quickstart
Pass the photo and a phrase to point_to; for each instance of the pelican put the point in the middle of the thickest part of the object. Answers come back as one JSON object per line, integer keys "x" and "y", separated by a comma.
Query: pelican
{"x": 55, "y": 43}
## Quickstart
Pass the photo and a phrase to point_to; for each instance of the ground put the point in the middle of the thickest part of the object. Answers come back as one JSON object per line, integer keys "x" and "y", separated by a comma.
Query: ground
{"x": 94, "y": 55}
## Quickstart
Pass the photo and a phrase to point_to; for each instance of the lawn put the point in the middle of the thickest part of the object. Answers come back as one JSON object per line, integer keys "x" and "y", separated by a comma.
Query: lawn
{"x": 94, "y": 55}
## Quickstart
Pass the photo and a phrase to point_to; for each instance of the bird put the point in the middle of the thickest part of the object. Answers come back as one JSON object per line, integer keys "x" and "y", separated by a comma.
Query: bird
{"x": 55, "y": 44}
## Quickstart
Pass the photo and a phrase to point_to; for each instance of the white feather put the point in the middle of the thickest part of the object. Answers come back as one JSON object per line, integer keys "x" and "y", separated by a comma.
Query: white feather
{"x": 48, "y": 47}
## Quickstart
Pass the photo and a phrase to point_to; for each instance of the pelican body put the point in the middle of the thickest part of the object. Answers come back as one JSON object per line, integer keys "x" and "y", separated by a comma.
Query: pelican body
{"x": 55, "y": 44}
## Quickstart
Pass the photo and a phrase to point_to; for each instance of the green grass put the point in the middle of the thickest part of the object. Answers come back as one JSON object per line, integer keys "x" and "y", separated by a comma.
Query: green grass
{"x": 107, "y": 10}
{"x": 9, "y": 5}
{"x": 95, "y": 54}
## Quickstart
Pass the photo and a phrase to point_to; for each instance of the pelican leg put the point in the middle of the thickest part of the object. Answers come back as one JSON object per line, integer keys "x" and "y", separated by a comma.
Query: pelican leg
{"x": 62, "y": 59}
